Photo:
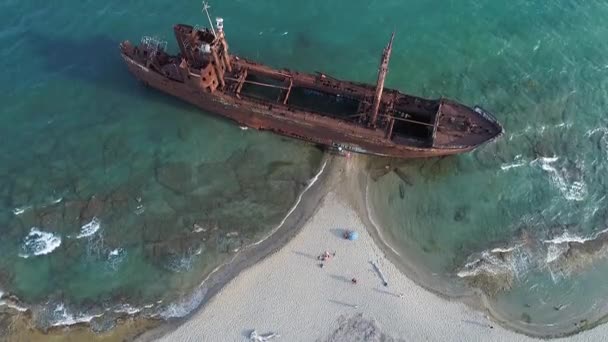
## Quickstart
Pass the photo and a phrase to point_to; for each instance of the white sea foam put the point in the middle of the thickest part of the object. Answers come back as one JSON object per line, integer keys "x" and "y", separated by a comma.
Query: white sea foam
{"x": 311, "y": 182}
{"x": 497, "y": 261}
{"x": 504, "y": 250}
{"x": 572, "y": 191}
{"x": 518, "y": 260}
{"x": 184, "y": 306}
{"x": 517, "y": 162}
{"x": 559, "y": 245}
{"x": 38, "y": 242}
{"x": 509, "y": 166}
{"x": 89, "y": 228}
{"x": 127, "y": 308}
{"x": 116, "y": 257}
{"x": 554, "y": 251}
{"x": 13, "y": 306}
{"x": 591, "y": 132}
{"x": 181, "y": 263}
{"x": 63, "y": 317}
{"x": 198, "y": 228}
{"x": 57, "y": 200}
{"x": 546, "y": 160}
{"x": 566, "y": 237}
{"x": 21, "y": 210}
{"x": 487, "y": 263}
{"x": 140, "y": 209}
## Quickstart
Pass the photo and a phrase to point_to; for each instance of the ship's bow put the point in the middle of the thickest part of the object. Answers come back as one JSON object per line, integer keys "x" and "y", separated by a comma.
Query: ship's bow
{"x": 462, "y": 128}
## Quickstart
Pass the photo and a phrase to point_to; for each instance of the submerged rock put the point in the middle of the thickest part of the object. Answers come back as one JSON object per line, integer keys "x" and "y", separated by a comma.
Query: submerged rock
{"x": 491, "y": 284}
{"x": 175, "y": 176}
{"x": 71, "y": 215}
{"x": 94, "y": 208}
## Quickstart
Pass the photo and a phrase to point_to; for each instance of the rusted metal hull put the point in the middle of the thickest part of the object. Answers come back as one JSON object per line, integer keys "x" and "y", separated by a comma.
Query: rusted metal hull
{"x": 316, "y": 130}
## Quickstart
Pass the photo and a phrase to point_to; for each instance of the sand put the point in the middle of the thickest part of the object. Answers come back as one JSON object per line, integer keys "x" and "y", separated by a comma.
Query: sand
{"x": 290, "y": 294}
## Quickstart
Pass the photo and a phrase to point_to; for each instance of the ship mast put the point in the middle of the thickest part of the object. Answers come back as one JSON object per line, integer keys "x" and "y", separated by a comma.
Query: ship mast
{"x": 206, "y": 8}
{"x": 382, "y": 70}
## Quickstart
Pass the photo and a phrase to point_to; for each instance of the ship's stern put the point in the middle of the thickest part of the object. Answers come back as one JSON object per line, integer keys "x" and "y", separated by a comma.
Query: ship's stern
{"x": 127, "y": 49}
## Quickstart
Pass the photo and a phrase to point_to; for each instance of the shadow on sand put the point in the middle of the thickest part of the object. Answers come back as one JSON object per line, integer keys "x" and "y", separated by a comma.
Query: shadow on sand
{"x": 338, "y": 232}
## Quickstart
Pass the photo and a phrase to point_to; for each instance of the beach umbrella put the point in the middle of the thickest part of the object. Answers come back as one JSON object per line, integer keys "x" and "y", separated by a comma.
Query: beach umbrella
{"x": 351, "y": 235}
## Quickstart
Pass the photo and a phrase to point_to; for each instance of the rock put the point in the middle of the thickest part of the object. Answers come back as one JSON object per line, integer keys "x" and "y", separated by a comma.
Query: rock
{"x": 115, "y": 150}
{"x": 158, "y": 228}
{"x": 71, "y": 215}
{"x": 120, "y": 201}
{"x": 94, "y": 208}
{"x": 461, "y": 213}
{"x": 51, "y": 218}
{"x": 491, "y": 284}
{"x": 176, "y": 177}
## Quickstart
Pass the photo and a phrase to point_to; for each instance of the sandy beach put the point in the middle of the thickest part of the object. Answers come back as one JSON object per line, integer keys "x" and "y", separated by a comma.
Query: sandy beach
{"x": 289, "y": 294}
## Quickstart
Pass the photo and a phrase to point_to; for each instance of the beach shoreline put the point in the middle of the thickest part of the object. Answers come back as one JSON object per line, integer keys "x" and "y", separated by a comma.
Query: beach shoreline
{"x": 142, "y": 328}
{"x": 473, "y": 298}
{"x": 306, "y": 205}
{"x": 287, "y": 291}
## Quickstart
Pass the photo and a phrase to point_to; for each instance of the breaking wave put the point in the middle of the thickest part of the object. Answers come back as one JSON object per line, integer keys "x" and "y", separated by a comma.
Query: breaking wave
{"x": 61, "y": 315}
{"x": 13, "y": 306}
{"x": 566, "y": 237}
{"x": 573, "y": 188}
{"x": 90, "y": 228}
{"x": 116, "y": 257}
{"x": 38, "y": 242}
{"x": 20, "y": 210}
{"x": 127, "y": 309}
{"x": 495, "y": 270}
{"x": 517, "y": 162}
{"x": 184, "y": 306}
{"x": 183, "y": 262}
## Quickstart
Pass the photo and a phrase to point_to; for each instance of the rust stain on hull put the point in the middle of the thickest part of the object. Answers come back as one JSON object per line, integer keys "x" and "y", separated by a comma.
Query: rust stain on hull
{"x": 312, "y": 107}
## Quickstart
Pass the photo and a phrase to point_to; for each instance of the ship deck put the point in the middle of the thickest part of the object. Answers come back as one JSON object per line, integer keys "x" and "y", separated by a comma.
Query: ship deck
{"x": 401, "y": 119}
{"x": 341, "y": 100}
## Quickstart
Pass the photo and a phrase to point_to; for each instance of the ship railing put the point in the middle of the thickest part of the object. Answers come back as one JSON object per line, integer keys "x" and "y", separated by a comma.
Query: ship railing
{"x": 436, "y": 121}
{"x": 306, "y": 115}
{"x": 154, "y": 44}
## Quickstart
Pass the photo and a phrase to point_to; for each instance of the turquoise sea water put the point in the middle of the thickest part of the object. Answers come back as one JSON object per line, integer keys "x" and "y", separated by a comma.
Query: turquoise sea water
{"x": 115, "y": 198}
{"x": 522, "y": 219}
{"x": 134, "y": 196}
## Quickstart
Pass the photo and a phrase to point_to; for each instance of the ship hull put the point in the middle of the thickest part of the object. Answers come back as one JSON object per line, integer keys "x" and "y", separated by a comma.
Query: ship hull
{"x": 318, "y": 131}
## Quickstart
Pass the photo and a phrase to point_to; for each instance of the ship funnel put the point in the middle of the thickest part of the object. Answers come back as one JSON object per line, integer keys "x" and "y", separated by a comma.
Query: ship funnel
{"x": 219, "y": 24}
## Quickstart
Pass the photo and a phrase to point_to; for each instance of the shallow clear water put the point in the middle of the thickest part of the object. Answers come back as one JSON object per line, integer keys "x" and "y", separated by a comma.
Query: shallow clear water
{"x": 76, "y": 125}
{"x": 522, "y": 218}
{"x": 111, "y": 193}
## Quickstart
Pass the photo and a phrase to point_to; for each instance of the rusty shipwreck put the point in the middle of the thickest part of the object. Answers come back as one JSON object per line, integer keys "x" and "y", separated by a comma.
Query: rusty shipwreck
{"x": 317, "y": 108}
